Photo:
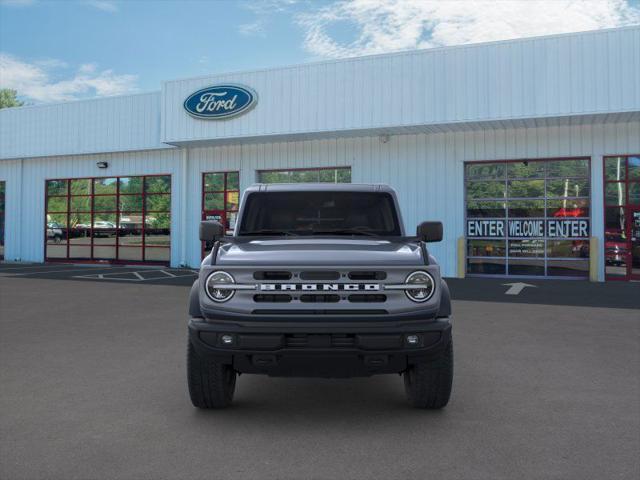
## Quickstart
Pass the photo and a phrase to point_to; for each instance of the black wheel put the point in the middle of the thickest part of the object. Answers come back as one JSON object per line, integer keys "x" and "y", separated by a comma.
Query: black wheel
{"x": 428, "y": 383}
{"x": 211, "y": 384}
{"x": 57, "y": 239}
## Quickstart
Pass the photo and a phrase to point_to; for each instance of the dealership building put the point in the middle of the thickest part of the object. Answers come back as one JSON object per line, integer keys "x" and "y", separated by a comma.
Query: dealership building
{"x": 527, "y": 150}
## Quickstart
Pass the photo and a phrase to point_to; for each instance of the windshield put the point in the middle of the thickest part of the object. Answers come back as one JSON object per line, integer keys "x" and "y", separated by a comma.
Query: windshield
{"x": 317, "y": 213}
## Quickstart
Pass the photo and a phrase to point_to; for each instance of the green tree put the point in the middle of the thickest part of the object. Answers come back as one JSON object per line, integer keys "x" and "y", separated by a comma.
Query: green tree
{"x": 8, "y": 98}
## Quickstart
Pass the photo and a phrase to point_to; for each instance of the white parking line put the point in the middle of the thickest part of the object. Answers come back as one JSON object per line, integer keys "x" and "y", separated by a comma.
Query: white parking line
{"x": 139, "y": 277}
{"x": 14, "y": 274}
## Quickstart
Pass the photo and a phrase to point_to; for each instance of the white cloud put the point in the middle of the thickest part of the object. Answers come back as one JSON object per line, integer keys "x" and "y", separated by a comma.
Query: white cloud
{"x": 252, "y": 29}
{"x": 36, "y": 81}
{"x": 388, "y": 25}
{"x": 104, "y": 5}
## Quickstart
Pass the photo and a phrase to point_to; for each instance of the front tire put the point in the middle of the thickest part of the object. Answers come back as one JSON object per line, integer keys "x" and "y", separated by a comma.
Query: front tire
{"x": 211, "y": 384}
{"x": 428, "y": 383}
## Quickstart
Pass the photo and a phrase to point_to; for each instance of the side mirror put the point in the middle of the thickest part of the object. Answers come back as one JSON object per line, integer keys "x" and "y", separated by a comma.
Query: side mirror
{"x": 210, "y": 231}
{"x": 430, "y": 231}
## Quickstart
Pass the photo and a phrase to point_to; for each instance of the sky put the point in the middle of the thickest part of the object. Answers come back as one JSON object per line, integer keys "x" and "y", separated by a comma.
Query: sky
{"x": 59, "y": 50}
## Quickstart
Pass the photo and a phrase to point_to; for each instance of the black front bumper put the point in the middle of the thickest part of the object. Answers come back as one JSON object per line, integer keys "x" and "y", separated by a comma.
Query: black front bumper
{"x": 319, "y": 349}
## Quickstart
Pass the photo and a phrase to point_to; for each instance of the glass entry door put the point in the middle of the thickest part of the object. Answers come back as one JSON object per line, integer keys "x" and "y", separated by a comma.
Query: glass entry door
{"x": 622, "y": 217}
{"x": 634, "y": 248}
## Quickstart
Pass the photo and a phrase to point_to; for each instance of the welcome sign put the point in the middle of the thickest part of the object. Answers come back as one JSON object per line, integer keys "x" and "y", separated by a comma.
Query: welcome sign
{"x": 219, "y": 102}
{"x": 529, "y": 228}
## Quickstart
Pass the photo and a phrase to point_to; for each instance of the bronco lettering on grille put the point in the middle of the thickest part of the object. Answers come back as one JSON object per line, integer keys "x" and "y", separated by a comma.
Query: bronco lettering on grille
{"x": 325, "y": 287}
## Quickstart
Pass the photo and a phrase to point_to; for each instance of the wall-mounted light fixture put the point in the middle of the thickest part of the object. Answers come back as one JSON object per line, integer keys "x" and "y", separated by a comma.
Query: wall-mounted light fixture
{"x": 102, "y": 164}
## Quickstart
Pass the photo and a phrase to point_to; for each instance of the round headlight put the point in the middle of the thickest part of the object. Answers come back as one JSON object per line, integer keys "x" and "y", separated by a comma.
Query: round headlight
{"x": 425, "y": 286}
{"x": 218, "y": 294}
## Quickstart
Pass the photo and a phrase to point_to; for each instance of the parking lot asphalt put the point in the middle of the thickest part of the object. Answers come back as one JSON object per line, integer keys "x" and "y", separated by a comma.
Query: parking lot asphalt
{"x": 92, "y": 386}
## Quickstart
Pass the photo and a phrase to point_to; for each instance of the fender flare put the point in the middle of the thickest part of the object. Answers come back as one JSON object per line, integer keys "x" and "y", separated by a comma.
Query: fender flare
{"x": 445, "y": 301}
{"x": 194, "y": 300}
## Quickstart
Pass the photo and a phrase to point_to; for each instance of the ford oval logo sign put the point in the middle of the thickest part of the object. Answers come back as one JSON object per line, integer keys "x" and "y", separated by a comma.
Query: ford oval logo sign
{"x": 220, "y": 101}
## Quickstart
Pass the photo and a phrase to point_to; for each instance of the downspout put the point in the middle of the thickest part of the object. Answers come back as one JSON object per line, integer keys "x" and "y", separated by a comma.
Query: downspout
{"x": 183, "y": 207}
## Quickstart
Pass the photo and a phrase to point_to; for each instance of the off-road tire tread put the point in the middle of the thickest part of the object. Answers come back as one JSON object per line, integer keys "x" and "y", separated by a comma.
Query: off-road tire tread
{"x": 428, "y": 383}
{"x": 211, "y": 384}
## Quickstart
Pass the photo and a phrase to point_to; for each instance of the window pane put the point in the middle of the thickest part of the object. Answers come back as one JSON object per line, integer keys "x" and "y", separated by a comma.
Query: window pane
{"x": 80, "y": 230}
{"x": 59, "y": 220}
{"x": 105, "y": 185}
{"x": 157, "y": 237}
{"x": 104, "y": 220}
{"x": 129, "y": 253}
{"x": 526, "y": 267}
{"x": 633, "y": 168}
{"x": 131, "y": 203}
{"x": 158, "y": 203}
{"x": 157, "y": 254}
{"x": 81, "y": 186}
{"x": 104, "y": 252}
{"x": 158, "y": 221}
{"x": 131, "y": 184}
{"x": 56, "y": 233}
{"x": 526, "y": 208}
{"x": 614, "y": 224}
{"x": 158, "y": 184}
{"x": 568, "y": 248}
{"x": 214, "y": 182}
{"x": 57, "y": 204}
{"x": 56, "y": 250}
{"x": 214, "y": 201}
{"x": 568, "y": 168}
{"x": 485, "y": 171}
{"x": 614, "y": 168}
{"x": 344, "y": 175}
{"x": 103, "y": 236}
{"x": 526, "y": 188}
{"x": 130, "y": 237}
{"x": 105, "y": 204}
{"x": 568, "y": 268}
{"x": 79, "y": 252}
{"x": 526, "y": 248}
{"x": 615, "y": 194}
{"x": 527, "y": 169}
{"x": 56, "y": 187}
{"x": 634, "y": 193}
{"x": 489, "y": 266}
{"x": 567, "y": 208}
{"x": 339, "y": 175}
{"x": 484, "y": 189}
{"x": 477, "y": 209}
{"x": 232, "y": 200}
{"x": 233, "y": 181}
{"x": 131, "y": 221}
{"x": 568, "y": 188}
{"x": 80, "y": 204}
{"x": 486, "y": 248}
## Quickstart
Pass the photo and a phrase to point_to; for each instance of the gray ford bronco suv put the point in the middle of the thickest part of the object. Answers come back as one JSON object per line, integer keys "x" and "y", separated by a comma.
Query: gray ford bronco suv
{"x": 319, "y": 280}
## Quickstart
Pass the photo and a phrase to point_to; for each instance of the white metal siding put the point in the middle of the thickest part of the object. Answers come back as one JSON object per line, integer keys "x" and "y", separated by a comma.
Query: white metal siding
{"x": 425, "y": 169}
{"x": 547, "y": 77}
{"x": 25, "y": 201}
{"x": 90, "y": 126}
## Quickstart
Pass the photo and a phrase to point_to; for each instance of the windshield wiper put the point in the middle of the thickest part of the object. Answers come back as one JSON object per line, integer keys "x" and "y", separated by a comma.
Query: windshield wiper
{"x": 268, "y": 231}
{"x": 348, "y": 231}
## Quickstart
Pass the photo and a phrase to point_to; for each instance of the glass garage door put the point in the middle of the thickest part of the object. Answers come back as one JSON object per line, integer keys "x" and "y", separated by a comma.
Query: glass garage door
{"x": 528, "y": 218}
{"x": 308, "y": 175}
{"x": 115, "y": 219}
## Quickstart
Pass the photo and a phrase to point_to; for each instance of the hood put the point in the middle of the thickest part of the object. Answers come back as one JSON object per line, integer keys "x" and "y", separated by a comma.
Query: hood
{"x": 320, "y": 251}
